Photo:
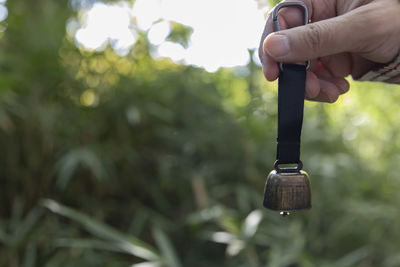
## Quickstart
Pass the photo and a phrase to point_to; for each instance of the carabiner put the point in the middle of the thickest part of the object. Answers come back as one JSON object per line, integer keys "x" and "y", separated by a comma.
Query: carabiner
{"x": 276, "y": 22}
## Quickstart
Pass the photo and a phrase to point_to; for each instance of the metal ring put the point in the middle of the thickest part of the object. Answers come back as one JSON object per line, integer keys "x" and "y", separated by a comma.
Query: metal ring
{"x": 288, "y": 170}
{"x": 276, "y": 22}
{"x": 308, "y": 65}
{"x": 287, "y": 4}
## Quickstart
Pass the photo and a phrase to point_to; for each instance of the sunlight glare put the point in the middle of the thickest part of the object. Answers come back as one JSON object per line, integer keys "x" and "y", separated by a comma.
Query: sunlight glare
{"x": 158, "y": 32}
{"x": 3, "y": 12}
{"x": 106, "y": 24}
{"x": 146, "y": 13}
{"x": 223, "y": 30}
{"x": 172, "y": 50}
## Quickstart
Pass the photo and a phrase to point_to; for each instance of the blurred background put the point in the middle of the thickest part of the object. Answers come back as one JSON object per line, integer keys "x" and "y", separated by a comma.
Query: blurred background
{"x": 140, "y": 133}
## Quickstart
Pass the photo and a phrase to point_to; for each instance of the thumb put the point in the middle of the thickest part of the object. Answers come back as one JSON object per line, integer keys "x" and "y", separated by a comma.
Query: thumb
{"x": 311, "y": 41}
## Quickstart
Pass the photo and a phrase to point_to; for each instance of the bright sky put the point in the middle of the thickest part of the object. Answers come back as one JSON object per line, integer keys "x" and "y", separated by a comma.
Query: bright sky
{"x": 223, "y": 30}
{"x": 3, "y": 10}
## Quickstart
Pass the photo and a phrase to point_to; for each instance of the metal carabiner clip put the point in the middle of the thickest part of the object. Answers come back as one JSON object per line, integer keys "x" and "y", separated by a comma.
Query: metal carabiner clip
{"x": 276, "y": 22}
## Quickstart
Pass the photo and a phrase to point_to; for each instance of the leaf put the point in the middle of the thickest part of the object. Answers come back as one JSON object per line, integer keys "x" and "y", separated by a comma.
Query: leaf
{"x": 30, "y": 255}
{"x": 147, "y": 264}
{"x": 166, "y": 247}
{"x": 235, "y": 247}
{"x": 91, "y": 244}
{"x": 251, "y": 223}
{"x": 129, "y": 244}
{"x": 353, "y": 257}
{"x": 222, "y": 237}
{"x": 69, "y": 163}
{"x": 22, "y": 228}
{"x": 180, "y": 34}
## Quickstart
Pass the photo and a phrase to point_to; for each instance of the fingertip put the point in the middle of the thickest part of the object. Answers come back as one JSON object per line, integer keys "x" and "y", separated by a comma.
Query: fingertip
{"x": 324, "y": 97}
{"x": 276, "y": 45}
{"x": 330, "y": 90}
{"x": 333, "y": 98}
{"x": 312, "y": 85}
{"x": 271, "y": 70}
{"x": 343, "y": 85}
{"x": 340, "y": 83}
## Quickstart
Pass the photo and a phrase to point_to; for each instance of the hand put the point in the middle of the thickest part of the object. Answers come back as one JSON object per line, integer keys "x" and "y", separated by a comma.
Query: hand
{"x": 344, "y": 37}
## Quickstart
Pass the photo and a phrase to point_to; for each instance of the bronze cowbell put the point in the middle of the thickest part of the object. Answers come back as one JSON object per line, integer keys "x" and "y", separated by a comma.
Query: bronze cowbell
{"x": 287, "y": 190}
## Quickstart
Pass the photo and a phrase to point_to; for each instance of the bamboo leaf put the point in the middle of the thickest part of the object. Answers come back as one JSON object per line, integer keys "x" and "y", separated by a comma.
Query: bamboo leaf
{"x": 91, "y": 244}
{"x": 129, "y": 244}
{"x": 166, "y": 247}
{"x": 148, "y": 264}
{"x": 30, "y": 255}
{"x": 251, "y": 223}
{"x": 75, "y": 158}
{"x": 23, "y": 227}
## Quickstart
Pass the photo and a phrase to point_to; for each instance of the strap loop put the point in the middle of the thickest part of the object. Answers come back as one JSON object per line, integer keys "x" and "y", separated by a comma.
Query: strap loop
{"x": 288, "y": 170}
{"x": 291, "y": 91}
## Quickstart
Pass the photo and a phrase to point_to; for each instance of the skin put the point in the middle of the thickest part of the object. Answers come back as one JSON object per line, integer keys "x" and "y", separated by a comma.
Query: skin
{"x": 343, "y": 38}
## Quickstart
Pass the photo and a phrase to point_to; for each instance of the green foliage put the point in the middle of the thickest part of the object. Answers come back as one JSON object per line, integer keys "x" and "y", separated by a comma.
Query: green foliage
{"x": 131, "y": 161}
{"x": 180, "y": 34}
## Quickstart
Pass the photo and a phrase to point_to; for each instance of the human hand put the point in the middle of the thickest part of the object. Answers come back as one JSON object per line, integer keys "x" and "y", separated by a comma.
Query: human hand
{"x": 344, "y": 37}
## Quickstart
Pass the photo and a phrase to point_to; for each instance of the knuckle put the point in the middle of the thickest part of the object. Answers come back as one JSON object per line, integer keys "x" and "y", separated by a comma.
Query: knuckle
{"x": 314, "y": 36}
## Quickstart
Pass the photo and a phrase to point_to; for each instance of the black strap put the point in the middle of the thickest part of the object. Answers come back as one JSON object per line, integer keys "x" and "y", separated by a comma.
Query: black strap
{"x": 291, "y": 90}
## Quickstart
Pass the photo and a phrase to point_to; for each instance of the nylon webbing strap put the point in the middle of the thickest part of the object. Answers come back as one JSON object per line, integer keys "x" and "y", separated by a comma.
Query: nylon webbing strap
{"x": 291, "y": 90}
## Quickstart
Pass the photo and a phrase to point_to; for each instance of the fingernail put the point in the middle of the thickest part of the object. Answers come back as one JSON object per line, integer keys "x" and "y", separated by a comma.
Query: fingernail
{"x": 277, "y": 45}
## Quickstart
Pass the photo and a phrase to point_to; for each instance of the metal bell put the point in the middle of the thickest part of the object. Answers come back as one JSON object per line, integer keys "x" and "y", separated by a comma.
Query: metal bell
{"x": 287, "y": 191}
